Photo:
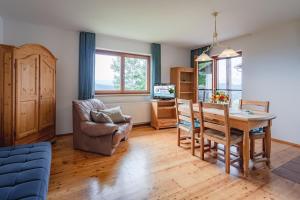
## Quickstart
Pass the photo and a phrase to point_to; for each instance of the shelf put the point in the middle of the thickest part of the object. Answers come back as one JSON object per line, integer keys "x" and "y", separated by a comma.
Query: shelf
{"x": 186, "y": 82}
{"x": 166, "y": 107}
{"x": 162, "y": 101}
{"x": 186, "y": 92}
{"x": 167, "y": 119}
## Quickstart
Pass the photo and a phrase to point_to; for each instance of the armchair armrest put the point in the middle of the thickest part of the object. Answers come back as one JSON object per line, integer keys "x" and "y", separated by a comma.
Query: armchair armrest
{"x": 128, "y": 118}
{"x": 97, "y": 129}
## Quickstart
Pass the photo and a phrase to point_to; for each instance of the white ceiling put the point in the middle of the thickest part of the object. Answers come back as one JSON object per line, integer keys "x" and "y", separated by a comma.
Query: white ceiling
{"x": 186, "y": 23}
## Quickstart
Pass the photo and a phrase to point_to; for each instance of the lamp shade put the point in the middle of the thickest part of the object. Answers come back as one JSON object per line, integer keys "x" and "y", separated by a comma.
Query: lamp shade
{"x": 227, "y": 53}
{"x": 203, "y": 58}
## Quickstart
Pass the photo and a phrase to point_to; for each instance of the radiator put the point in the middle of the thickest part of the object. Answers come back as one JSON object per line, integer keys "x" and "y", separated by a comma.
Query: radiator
{"x": 139, "y": 111}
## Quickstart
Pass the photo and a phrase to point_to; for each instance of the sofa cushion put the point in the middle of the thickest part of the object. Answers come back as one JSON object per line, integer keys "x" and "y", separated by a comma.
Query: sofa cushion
{"x": 115, "y": 114}
{"x": 100, "y": 117}
{"x": 25, "y": 171}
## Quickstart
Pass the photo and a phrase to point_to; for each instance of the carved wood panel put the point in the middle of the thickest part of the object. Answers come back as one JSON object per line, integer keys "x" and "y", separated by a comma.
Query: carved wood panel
{"x": 27, "y": 92}
{"x": 47, "y": 92}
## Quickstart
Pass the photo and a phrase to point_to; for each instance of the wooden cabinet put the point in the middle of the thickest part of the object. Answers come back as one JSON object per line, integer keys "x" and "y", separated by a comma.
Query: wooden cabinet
{"x": 47, "y": 93}
{"x": 183, "y": 78}
{"x": 163, "y": 114}
{"x": 27, "y": 94}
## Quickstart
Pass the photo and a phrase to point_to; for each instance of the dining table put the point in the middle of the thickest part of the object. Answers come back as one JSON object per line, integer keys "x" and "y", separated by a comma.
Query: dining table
{"x": 246, "y": 120}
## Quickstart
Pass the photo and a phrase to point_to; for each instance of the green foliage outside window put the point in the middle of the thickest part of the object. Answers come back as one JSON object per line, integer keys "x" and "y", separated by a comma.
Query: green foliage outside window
{"x": 204, "y": 68}
{"x": 135, "y": 73}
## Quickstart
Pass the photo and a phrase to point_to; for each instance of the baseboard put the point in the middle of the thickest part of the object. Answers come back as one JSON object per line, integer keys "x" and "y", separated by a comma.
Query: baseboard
{"x": 286, "y": 142}
{"x": 64, "y": 134}
{"x": 141, "y": 124}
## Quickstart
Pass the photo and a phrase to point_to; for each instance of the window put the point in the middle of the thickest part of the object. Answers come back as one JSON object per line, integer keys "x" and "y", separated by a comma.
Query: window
{"x": 121, "y": 73}
{"x": 229, "y": 78}
{"x": 220, "y": 75}
{"x": 205, "y": 80}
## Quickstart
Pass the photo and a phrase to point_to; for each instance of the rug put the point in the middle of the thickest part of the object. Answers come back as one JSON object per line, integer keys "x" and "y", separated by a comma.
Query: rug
{"x": 290, "y": 170}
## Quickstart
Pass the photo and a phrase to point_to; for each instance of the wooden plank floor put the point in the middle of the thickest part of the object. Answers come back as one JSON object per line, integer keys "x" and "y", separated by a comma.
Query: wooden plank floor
{"x": 151, "y": 166}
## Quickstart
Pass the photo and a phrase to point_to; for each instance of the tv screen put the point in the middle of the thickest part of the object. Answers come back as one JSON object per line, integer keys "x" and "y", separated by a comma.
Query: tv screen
{"x": 164, "y": 91}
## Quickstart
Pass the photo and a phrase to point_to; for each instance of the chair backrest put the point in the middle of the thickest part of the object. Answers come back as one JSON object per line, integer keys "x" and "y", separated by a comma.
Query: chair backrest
{"x": 262, "y": 106}
{"x": 184, "y": 112}
{"x": 216, "y": 117}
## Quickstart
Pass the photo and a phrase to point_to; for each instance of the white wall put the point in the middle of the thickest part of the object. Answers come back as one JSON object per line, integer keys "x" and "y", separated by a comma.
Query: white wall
{"x": 122, "y": 45}
{"x": 1, "y": 30}
{"x": 271, "y": 71}
{"x": 64, "y": 45}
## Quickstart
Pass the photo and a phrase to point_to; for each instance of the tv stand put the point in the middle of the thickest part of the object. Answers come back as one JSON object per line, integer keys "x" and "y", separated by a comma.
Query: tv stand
{"x": 163, "y": 113}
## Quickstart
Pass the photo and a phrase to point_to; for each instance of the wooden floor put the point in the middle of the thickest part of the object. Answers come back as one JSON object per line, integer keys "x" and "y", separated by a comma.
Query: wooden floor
{"x": 151, "y": 166}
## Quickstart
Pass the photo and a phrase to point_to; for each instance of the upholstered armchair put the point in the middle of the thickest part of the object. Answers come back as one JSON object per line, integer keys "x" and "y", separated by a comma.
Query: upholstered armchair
{"x": 102, "y": 138}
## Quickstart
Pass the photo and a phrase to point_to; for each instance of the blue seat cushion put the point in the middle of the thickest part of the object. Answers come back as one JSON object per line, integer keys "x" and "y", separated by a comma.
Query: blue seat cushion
{"x": 256, "y": 131}
{"x": 25, "y": 171}
{"x": 188, "y": 124}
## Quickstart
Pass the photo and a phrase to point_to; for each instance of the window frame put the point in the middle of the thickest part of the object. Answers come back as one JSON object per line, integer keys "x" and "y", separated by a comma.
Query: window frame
{"x": 122, "y": 55}
{"x": 214, "y": 73}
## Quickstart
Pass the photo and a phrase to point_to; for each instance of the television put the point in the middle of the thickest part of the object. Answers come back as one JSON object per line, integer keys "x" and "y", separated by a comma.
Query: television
{"x": 164, "y": 91}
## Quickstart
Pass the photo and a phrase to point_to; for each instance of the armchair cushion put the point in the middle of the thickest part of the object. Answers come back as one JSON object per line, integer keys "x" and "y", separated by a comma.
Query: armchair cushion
{"x": 115, "y": 114}
{"x": 100, "y": 117}
{"x": 98, "y": 129}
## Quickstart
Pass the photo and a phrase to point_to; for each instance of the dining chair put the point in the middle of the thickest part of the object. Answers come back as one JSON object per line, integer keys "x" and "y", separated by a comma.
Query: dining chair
{"x": 187, "y": 123}
{"x": 259, "y": 133}
{"x": 215, "y": 127}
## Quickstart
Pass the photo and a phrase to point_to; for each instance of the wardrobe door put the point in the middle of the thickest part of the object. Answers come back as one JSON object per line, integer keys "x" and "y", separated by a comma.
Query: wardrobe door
{"x": 27, "y": 93}
{"x": 47, "y": 92}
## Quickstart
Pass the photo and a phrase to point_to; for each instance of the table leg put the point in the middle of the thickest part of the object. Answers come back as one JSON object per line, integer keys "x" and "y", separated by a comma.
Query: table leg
{"x": 268, "y": 144}
{"x": 246, "y": 151}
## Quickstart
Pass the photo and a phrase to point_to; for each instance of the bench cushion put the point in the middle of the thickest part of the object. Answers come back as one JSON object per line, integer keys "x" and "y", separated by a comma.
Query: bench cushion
{"x": 25, "y": 171}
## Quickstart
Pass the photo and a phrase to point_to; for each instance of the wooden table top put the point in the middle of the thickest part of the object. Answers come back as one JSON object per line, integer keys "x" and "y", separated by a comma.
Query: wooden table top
{"x": 244, "y": 115}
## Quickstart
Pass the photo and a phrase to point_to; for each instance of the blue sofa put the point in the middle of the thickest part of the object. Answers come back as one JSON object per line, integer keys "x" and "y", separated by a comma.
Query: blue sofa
{"x": 25, "y": 171}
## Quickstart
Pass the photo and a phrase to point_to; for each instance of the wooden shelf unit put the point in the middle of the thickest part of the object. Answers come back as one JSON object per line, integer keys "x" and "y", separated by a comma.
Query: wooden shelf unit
{"x": 163, "y": 114}
{"x": 183, "y": 78}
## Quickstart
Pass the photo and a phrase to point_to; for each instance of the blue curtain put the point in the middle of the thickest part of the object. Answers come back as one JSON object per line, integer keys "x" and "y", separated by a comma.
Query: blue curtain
{"x": 197, "y": 52}
{"x": 156, "y": 64}
{"x": 87, "y": 48}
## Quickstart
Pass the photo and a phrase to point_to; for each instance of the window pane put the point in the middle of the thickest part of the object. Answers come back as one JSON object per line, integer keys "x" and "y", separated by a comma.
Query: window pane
{"x": 229, "y": 78}
{"x": 235, "y": 97}
{"x": 205, "y": 76}
{"x": 222, "y": 74}
{"x": 205, "y": 81}
{"x": 204, "y": 95}
{"x": 107, "y": 72}
{"x": 135, "y": 74}
{"x": 236, "y": 73}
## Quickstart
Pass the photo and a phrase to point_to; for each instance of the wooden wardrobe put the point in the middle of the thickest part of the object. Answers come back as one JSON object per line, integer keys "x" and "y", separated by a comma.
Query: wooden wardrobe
{"x": 27, "y": 94}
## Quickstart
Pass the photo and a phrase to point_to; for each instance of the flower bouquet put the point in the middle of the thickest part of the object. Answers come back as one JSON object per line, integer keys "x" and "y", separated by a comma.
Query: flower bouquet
{"x": 220, "y": 97}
